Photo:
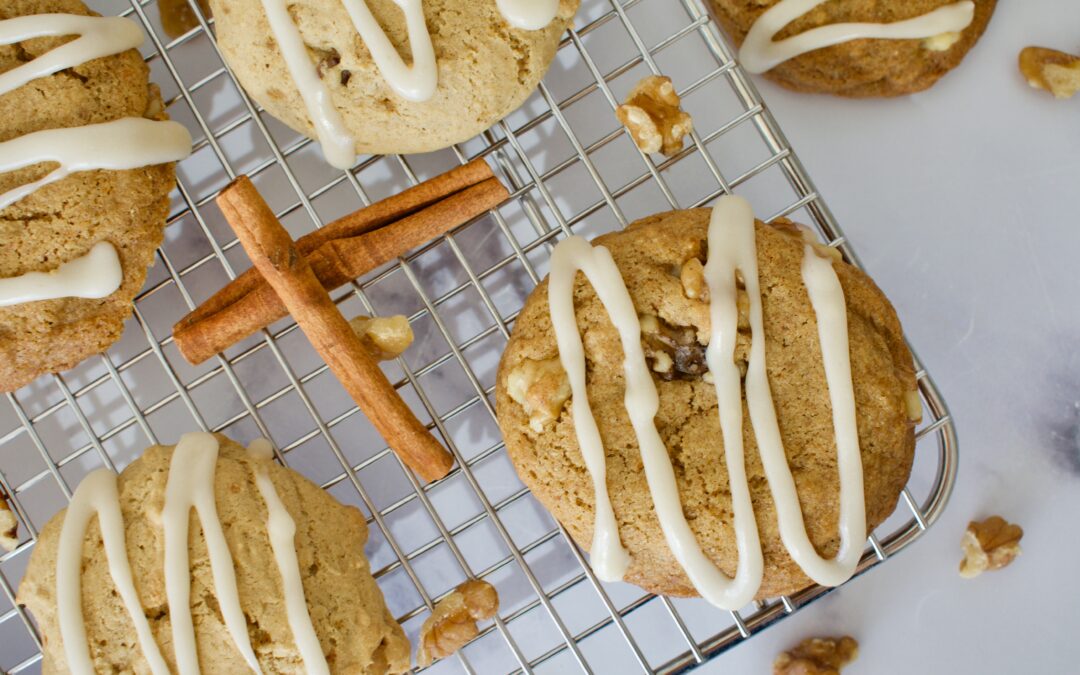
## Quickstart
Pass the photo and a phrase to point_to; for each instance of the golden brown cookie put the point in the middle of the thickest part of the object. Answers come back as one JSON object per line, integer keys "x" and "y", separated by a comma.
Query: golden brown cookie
{"x": 486, "y": 68}
{"x": 356, "y": 631}
{"x": 653, "y": 255}
{"x": 860, "y": 68}
{"x": 62, "y": 221}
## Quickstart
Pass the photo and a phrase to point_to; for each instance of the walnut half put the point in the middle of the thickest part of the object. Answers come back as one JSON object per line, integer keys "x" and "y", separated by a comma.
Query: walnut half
{"x": 453, "y": 622}
{"x": 652, "y": 115}
{"x": 540, "y": 388}
{"x": 989, "y": 545}
{"x": 384, "y": 338}
{"x": 9, "y": 526}
{"x": 1049, "y": 69}
{"x": 817, "y": 656}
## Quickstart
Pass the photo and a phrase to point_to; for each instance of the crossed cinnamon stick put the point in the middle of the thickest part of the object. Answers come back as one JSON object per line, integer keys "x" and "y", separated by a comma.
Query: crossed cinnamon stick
{"x": 295, "y": 278}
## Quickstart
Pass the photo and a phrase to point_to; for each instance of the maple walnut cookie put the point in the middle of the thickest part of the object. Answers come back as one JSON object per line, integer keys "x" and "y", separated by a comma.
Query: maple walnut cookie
{"x": 866, "y": 67}
{"x": 661, "y": 260}
{"x": 44, "y": 331}
{"x": 305, "y": 599}
{"x": 421, "y": 75}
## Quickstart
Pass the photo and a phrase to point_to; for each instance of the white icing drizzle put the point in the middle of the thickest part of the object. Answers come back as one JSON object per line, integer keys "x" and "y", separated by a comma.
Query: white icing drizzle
{"x": 732, "y": 249}
{"x": 95, "y": 275}
{"x": 97, "y": 495}
{"x": 191, "y": 486}
{"x": 282, "y": 530}
{"x": 98, "y": 36}
{"x": 127, "y": 143}
{"x": 760, "y": 52}
{"x": 610, "y": 559}
{"x": 338, "y": 146}
{"x": 529, "y": 14}
{"x": 414, "y": 83}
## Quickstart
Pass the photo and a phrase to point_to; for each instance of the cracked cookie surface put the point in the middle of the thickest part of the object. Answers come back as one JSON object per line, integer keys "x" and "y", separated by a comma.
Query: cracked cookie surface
{"x": 62, "y": 221}
{"x": 486, "y": 68}
{"x": 652, "y": 255}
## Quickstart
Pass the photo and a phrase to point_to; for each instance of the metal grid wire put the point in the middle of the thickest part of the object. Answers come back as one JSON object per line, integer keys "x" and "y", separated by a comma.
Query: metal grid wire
{"x": 571, "y": 169}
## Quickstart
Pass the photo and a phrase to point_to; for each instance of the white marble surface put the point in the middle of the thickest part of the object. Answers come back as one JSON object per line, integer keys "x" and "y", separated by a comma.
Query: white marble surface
{"x": 962, "y": 203}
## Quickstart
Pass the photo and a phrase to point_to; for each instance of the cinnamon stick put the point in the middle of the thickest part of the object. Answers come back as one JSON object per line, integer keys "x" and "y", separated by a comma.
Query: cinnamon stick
{"x": 367, "y": 219}
{"x": 248, "y": 304}
{"x": 288, "y": 273}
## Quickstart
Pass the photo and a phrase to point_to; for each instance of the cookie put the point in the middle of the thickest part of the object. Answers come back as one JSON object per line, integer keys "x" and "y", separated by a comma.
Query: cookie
{"x": 485, "y": 67}
{"x": 863, "y": 67}
{"x": 353, "y": 630}
{"x": 62, "y": 221}
{"x": 660, "y": 259}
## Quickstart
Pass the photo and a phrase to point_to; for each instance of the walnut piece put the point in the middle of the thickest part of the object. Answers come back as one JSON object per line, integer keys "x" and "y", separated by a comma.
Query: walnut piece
{"x": 540, "y": 388}
{"x": 385, "y": 338}
{"x": 9, "y": 526}
{"x": 989, "y": 545}
{"x": 941, "y": 42}
{"x": 674, "y": 351}
{"x": 177, "y": 17}
{"x": 453, "y": 623}
{"x": 1049, "y": 69}
{"x": 692, "y": 276}
{"x": 817, "y": 656}
{"x": 913, "y": 405}
{"x": 652, "y": 115}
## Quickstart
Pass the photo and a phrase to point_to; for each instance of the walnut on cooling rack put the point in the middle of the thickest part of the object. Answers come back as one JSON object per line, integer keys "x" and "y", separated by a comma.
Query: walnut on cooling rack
{"x": 817, "y": 656}
{"x": 1049, "y": 69}
{"x": 384, "y": 338}
{"x": 652, "y": 115}
{"x": 540, "y": 388}
{"x": 453, "y": 623}
{"x": 989, "y": 545}
{"x": 9, "y": 526}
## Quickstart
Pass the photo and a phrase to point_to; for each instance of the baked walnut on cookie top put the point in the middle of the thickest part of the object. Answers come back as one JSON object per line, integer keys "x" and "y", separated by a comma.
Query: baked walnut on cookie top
{"x": 661, "y": 261}
{"x": 899, "y": 46}
{"x": 92, "y": 233}
{"x": 389, "y": 76}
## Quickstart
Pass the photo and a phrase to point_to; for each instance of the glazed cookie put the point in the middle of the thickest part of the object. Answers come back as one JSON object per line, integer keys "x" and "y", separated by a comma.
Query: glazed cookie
{"x": 276, "y": 575}
{"x": 899, "y": 47}
{"x": 688, "y": 479}
{"x": 92, "y": 233}
{"x": 390, "y": 76}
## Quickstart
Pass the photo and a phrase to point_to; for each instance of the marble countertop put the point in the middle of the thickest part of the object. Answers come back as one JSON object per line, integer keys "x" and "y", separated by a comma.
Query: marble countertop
{"x": 962, "y": 204}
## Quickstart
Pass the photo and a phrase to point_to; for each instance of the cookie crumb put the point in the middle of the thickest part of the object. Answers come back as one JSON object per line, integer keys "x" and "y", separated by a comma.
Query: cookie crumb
{"x": 653, "y": 116}
{"x": 1052, "y": 70}
{"x": 453, "y": 622}
{"x": 989, "y": 544}
{"x": 817, "y": 656}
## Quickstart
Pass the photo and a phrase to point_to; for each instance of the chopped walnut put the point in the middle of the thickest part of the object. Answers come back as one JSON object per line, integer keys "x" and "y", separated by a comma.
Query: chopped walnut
{"x": 817, "y": 656}
{"x": 913, "y": 405}
{"x": 989, "y": 545}
{"x": 652, "y": 115}
{"x": 384, "y": 338}
{"x": 692, "y": 276}
{"x": 941, "y": 42}
{"x": 177, "y": 16}
{"x": 541, "y": 388}
{"x": 9, "y": 526}
{"x": 1049, "y": 69}
{"x": 453, "y": 623}
{"x": 674, "y": 350}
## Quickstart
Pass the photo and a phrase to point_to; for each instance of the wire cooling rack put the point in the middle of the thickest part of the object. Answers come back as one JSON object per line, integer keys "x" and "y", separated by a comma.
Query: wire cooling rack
{"x": 571, "y": 168}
